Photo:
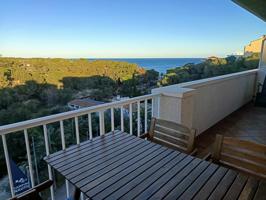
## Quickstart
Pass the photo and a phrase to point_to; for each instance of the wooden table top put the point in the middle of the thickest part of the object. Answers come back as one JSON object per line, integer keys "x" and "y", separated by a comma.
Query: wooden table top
{"x": 121, "y": 166}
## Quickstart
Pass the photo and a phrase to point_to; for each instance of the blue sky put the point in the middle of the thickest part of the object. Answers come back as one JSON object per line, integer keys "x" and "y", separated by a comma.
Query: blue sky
{"x": 125, "y": 28}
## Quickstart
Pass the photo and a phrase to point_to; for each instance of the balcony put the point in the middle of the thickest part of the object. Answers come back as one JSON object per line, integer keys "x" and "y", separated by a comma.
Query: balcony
{"x": 205, "y": 105}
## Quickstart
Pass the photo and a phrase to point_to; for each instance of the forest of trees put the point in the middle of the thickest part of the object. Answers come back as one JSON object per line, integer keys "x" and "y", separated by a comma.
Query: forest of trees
{"x": 31, "y": 88}
{"x": 212, "y": 66}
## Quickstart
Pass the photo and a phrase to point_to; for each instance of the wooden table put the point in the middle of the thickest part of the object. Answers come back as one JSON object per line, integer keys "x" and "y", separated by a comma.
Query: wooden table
{"x": 119, "y": 165}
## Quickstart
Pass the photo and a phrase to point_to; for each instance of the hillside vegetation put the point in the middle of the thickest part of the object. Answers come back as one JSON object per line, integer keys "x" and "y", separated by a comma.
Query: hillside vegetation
{"x": 210, "y": 67}
{"x": 52, "y": 71}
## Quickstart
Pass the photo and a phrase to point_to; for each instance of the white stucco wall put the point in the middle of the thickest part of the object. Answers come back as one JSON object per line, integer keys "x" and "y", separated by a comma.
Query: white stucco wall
{"x": 201, "y": 104}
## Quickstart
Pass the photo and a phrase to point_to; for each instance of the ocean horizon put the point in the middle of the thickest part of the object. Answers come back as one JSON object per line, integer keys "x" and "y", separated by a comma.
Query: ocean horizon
{"x": 158, "y": 64}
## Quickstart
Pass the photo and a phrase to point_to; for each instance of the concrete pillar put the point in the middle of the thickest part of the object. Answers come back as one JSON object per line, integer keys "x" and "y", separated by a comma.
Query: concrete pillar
{"x": 176, "y": 106}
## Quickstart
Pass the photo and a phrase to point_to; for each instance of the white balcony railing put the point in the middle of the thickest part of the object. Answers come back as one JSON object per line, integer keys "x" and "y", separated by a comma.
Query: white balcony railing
{"x": 24, "y": 126}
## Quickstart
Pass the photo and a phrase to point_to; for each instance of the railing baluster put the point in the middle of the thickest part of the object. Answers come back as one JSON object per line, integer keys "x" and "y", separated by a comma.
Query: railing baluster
{"x": 152, "y": 110}
{"x": 122, "y": 118}
{"x": 77, "y": 129}
{"x": 47, "y": 154}
{"x": 146, "y": 116}
{"x": 138, "y": 118}
{"x": 158, "y": 108}
{"x": 29, "y": 156}
{"x": 8, "y": 166}
{"x": 64, "y": 147}
{"x": 90, "y": 126}
{"x": 101, "y": 119}
{"x": 62, "y": 135}
{"x": 82, "y": 196}
{"x": 130, "y": 119}
{"x": 112, "y": 120}
{"x": 67, "y": 189}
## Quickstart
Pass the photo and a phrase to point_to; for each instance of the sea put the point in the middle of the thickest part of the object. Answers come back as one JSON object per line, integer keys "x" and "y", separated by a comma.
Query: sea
{"x": 158, "y": 64}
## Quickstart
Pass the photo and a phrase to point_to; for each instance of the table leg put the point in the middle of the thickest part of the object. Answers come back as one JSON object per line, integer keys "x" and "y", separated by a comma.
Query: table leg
{"x": 77, "y": 194}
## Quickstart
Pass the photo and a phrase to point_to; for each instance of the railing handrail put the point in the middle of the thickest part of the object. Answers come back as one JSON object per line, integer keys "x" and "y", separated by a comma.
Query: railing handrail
{"x": 9, "y": 128}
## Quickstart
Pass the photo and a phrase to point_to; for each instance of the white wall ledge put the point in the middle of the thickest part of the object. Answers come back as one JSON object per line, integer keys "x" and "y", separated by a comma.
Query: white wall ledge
{"x": 202, "y": 82}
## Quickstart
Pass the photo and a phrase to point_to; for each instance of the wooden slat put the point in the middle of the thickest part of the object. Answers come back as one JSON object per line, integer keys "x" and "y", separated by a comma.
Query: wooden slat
{"x": 184, "y": 184}
{"x": 134, "y": 178}
{"x": 68, "y": 160}
{"x": 81, "y": 167}
{"x": 175, "y": 180}
{"x": 103, "y": 167}
{"x": 198, "y": 183}
{"x": 153, "y": 121}
{"x": 91, "y": 147}
{"x": 243, "y": 165}
{"x": 149, "y": 186}
{"x": 244, "y": 153}
{"x": 129, "y": 171}
{"x": 261, "y": 191}
{"x": 223, "y": 186}
{"x": 172, "y": 125}
{"x": 171, "y": 132}
{"x": 217, "y": 147}
{"x": 138, "y": 176}
{"x": 207, "y": 189}
{"x": 84, "y": 145}
{"x": 106, "y": 178}
{"x": 236, "y": 188}
{"x": 249, "y": 190}
{"x": 168, "y": 144}
{"x": 174, "y": 140}
{"x": 172, "y": 135}
{"x": 245, "y": 144}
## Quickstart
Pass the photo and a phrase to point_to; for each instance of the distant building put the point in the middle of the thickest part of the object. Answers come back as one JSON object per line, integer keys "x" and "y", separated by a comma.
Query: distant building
{"x": 83, "y": 103}
{"x": 254, "y": 46}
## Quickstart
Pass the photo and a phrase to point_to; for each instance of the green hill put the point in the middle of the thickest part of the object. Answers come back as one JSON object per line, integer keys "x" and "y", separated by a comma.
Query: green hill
{"x": 16, "y": 71}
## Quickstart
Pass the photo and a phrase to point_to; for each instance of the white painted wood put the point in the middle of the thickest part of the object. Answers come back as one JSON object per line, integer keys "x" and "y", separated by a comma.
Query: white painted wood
{"x": 130, "y": 119}
{"x": 67, "y": 115}
{"x": 146, "y": 116}
{"x": 82, "y": 196}
{"x": 138, "y": 112}
{"x": 8, "y": 166}
{"x": 46, "y": 142}
{"x": 158, "y": 104}
{"x": 77, "y": 130}
{"x": 62, "y": 135}
{"x": 62, "y": 132}
{"x": 101, "y": 120}
{"x": 67, "y": 189}
{"x": 112, "y": 120}
{"x": 152, "y": 109}
{"x": 29, "y": 157}
{"x": 90, "y": 126}
{"x": 122, "y": 118}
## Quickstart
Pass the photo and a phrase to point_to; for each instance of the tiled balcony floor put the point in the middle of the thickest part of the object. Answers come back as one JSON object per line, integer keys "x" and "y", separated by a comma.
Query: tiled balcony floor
{"x": 248, "y": 123}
